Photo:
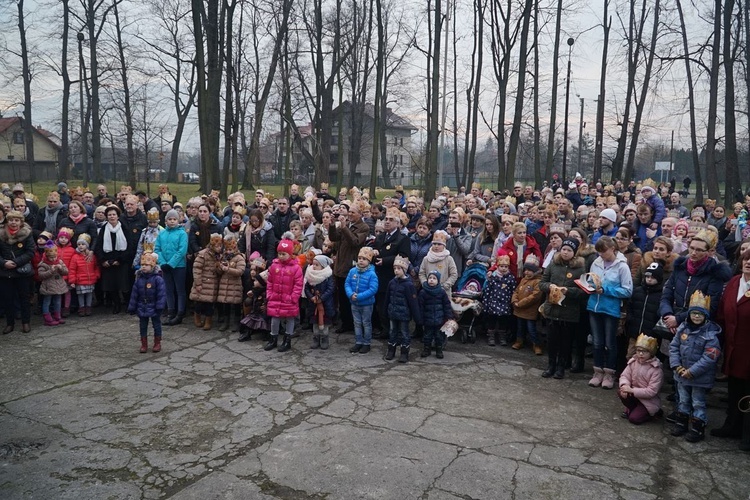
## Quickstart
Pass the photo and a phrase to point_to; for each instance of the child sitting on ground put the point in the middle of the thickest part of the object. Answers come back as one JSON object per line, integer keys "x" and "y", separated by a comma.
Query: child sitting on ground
{"x": 436, "y": 310}
{"x": 641, "y": 381}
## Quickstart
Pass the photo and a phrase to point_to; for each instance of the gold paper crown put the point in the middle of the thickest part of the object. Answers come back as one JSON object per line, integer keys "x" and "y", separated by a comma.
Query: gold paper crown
{"x": 152, "y": 215}
{"x": 708, "y": 237}
{"x": 476, "y": 185}
{"x": 700, "y": 301}
{"x": 323, "y": 185}
{"x": 649, "y": 182}
{"x": 673, "y": 214}
{"x": 647, "y": 342}
{"x": 149, "y": 258}
{"x": 399, "y": 188}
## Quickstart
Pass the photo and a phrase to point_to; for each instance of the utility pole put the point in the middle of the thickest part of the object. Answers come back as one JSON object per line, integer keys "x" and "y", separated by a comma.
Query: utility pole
{"x": 445, "y": 101}
{"x": 581, "y": 126}
{"x": 571, "y": 41}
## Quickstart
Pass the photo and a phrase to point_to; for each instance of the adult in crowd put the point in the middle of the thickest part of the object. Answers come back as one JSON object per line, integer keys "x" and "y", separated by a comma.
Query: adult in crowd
{"x": 29, "y": 216}
{"x": 281, "y": 217}
{"x": 420, "y": 241}
{"x": 146, "y": 202}
{"x": 101, "y": 193}
{"x": 607, "y": 225}
{"x": 676, "y": 205}
{"x": 19, "y": 192}
{"x": 16, "y": 252}
{"x": 485, "y": 242}
{"x": 171, "y": 248}
{"x": 644, "y": 235}
{"x": 661, "y": 253}
{"x": 164, "y": 194}
{"x": 350, "y": 234}
{"x": 201, "y": 230}
{"x": 62, "y": 191}
{"x": 78, "y": 221}
{"x": 51, "y": 215}
{"x": 627, "y": 247}
{"x": 133, "y": 220}
{"x": 734, "y": 316}
{"x": 520, "y": 246}
{"x": 115, "y": 257}
{"x": 387, "y": 247}
{"x": 459, "y": 242}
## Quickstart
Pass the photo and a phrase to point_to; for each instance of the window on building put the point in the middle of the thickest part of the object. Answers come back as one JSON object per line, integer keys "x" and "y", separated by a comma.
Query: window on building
{"x": 334, "y": 158}
{"x": 17, "y": 137}
{"x": 401, "y": 141}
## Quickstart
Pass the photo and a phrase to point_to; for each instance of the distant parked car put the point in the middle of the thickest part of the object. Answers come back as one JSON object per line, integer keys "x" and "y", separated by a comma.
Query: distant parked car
{"x": 191, "y": 178}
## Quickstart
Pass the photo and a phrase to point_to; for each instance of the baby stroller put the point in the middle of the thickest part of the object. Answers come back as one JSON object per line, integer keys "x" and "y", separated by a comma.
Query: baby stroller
{"x": 466, "y": 300}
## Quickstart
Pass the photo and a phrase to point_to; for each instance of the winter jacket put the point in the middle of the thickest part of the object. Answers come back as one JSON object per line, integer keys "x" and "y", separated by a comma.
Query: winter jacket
{"x": 734, "y": 318}
{"x": 634, "y": 258}
{"x": 657, "y": 208}
{"x": 419, "y": 249}
{"x": 599, "y": 233}
{"x": 531, "y": 247}
{"x": 194, "y": 236}
{"x": 280, "y": 222}
{"x": 589, "y": 255}
{"x": 697, "y": 349}
{"x": 171, "y": 246}
{"x": 497, "y": 293}
{"x": 363, "y": 282}
{"x": 435, "y": 305}
{"x": 18, "y": 248}
{"x": 564, "y": 275}
{"x": 84, "y": 226}
{"x": 132, "y": 225}
{"x": 205, "y": 276}
{"x": 388, "y": 247}
{"x": 82, "y": 272}
{"x": 41, "y": 225}
{"x": 646, "y": 380}
{"x": 230, "y": 281}
{"x": 527, "y": 298}
{"x": 401, "y": 298}
{"x": 459, "y": 246}
{"x": 52, "y": 281}
{"x": 617, "y": 285}
{"x": 262, "y": 241}
{"x": 149, "y": 295}
{"x": 66, "y": 253}
{"x": 709, "y": 279}
{"x": 146, "y": 243}
{"x": 643, "y": 310}
{"x": 284, "y": 288}
{"x": 324, "y": 291}
{"x": 482, "y": 251}
{"x": 349, "y": 240}
{"x": 447, "y": 269}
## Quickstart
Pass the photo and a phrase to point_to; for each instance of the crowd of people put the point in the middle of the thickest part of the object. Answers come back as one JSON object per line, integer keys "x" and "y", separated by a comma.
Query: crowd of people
{"x": 625, "y": 271}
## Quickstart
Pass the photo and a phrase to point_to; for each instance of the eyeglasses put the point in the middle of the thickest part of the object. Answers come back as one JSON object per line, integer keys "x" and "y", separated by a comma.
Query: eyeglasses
{"x": 697, "y": 250}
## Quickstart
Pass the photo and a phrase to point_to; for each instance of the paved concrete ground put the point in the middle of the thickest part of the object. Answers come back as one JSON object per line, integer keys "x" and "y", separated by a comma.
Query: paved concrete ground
{"x": 83, "y": 415}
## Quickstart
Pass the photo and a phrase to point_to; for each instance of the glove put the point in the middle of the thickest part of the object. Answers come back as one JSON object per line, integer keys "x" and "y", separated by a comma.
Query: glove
{"x": 681, "y": 371}
{"x": 686, "y": 374}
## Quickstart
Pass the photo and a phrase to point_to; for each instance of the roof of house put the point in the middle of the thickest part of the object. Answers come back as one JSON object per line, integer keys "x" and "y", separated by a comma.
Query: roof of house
{"x": 7, "y": 123}
{"x": 393, "y": 120}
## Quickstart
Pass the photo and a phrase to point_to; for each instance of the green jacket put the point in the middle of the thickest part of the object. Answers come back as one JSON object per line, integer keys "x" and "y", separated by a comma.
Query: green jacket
{"x": 562, "y": 274}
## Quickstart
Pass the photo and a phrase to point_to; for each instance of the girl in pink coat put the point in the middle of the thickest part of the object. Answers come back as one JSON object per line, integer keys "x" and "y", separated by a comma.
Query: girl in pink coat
{"x": 284, "y": 288}
{"x": 641, "y": 381}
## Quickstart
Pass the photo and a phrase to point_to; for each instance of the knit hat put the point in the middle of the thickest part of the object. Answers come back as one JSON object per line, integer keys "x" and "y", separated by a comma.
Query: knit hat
{"x": 323, "y": 260}
{"x": 682, "y": 223}
{"x": 365, "y": 252}
{"x": 630, "y": 208}
{"x": 286, "y": 246}
{"x": 610, "y": 214}
{"x": 440, "y": 237}
{"x": 572, "y": 243}
{"x": 18, "y": 188}
{"x": 401, "y": 262}
{"x": 531, "y": 263}
{"x": 84, "y": 238}
{"x": 173, "y": 213}
{"x": 65, "y": 231}
{"x": 436, "y": 274}
{"x": 149, "y": 258}
{"x": 656, "y": 271}
{"x": 50, "y": 249}
{"x": 45, "y": 235}
{"x": 61, "y": 185}
{"x": 152, "y": 215}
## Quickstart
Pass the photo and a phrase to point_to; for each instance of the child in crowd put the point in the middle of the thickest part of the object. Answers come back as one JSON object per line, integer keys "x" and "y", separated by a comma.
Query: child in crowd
{"x": 496, "y": 297}
{"x": 285, "y": 284}
{"x": 256, "y": 319}
{"x": 692, "y": 355}
{"x": 147, "y": 240}
{"x": 319, "y": 290}
{"x": 403, "y": 306}
{"x": 526, "y": 300}
{"x": 148, "y": 299}
{"x": 83, "y": 274}
{"x": 171, "y": 246}
{"x": 361, "y": 285}
{"x": 65, "y": 252}
{"x": 436, "y": 310}
{"x": 643, "y": 306}
{"x": 641, "y": 381}
{"x": 439, "y": 259}
{"x": 51, "y": 271}
{"x": 229, "y": 297}
{"x": 206, "y": 281}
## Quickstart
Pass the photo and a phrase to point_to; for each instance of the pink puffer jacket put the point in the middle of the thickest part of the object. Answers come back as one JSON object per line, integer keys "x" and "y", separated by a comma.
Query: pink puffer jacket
{"x": 284, "y": 289}
{"x": 646, "y": 380}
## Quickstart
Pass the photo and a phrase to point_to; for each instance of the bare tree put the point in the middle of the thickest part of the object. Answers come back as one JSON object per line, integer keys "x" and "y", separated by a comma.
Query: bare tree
{"x": 549, "y": 163}
{"x": 731, "y": 161}
{"x": 472, "y": 93}
{"x": 28, "y": 124}
{"x": 712, "y": 177}
{"x": 599, "y": 142}
{"x": 127, "y": 109}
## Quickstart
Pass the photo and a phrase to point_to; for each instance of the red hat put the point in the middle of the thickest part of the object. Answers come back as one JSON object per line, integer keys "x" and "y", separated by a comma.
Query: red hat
{"x": 285, "y": 246}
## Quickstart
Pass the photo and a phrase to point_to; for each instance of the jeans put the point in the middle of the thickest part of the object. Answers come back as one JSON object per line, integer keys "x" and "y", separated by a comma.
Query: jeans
{"x": 604, "y": 332}
{"x": 362, "y": 324}
{"x": 433, "y": 333}
{"x": 399, "y": 334}
{"x": 527, "y": 325}
{"x": 85, "y": 299}
{"x": 51, "y": 303}
{"x": 692, "y": 397}
{"x": 174, "y": 279}
{"x": 156, "y": 320}
{"x": 276, "y": 326}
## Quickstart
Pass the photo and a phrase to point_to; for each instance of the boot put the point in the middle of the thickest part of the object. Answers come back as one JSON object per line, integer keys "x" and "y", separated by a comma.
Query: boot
{"x": 551, "y": 366}
{"x": 517, "y": 345}
{"x": 537, "y": 349}
{"x": 168, "y": 317}
{"x": 560, "y": 371}
{"x": 177, "y": 320}
{"x": 503, "y": 337}
{"x": 577, "y": 365}
{"x": 596, "y": 380}
{"x": 404, "y": 358}
{"x": 245, "y": 335}
{"x": 745, "y": 441}
{"x": 207, "y": 323}
{"x": 732, "y": 427}
{"x": 65, "y": 313}
{"x": 58, "y": 317}
{"x": 391, "y": 352}
{"x": 49, "y": 320}
{"x": 324, "y": 339}
{"x": 81, "y": 312}
{"x": 144, "y": 345}
{"x": 680, "y": 425}
{"x": 609, "y": 378}
{"x": 491, "y": 337}
{"x": 223, "y": 323}
{"x": 198, "y": 320}
{"x": 365, "y": 349}
{"x": 439, "y": 352}
{"x": 697, "y": 431}
{"x": 157, "y": 344}
{"x": 286, "y": 344}
{"x": 315, "y": 342}
{"x": 426, "y": 351}
{"x": 272, "y": 343}
{"x": 88, "y": 311}
{"x": 116, "y": 306}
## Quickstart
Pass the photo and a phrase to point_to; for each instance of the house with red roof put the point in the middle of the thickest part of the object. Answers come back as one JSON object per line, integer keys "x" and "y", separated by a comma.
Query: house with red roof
{"x": 13, "y": 165}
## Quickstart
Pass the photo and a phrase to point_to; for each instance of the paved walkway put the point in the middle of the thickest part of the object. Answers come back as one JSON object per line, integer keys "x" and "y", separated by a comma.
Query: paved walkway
{"x": 83, "y": 415}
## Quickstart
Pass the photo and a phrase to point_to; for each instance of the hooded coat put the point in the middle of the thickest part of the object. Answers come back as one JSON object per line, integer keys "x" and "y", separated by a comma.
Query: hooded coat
{"x": 564, "y": 274}
{"x": 230, "y": 281}
{"x": 709, "y": 279}
{"x": 205, "y": 276}
{"x": 697, "y": 349}
{"x": 53, "y": 282}
{"x": 617, "y": 285}
{"x": 82, "y": 271}
{"x": 18, "y": 248}
{"x": 435, "y": 305}
{"x": 528, "y": 297}
{"x": 646, "y": 380}
{"x": 284, "y": 288}
{"x": 149, "y": 296}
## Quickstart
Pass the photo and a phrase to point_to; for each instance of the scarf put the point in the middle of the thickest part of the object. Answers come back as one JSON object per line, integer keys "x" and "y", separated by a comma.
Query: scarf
{"x": 433, "y": 257}
{"x": 78, "y": 219}
{"x": 121, "y": 244}
{"x": 692, "y": 268}
{"x": 203, "y": 232}
{"x": 12, "y": 231}
{"x": 50, "y": 219}
{"x": 433, "y": 290}
{"x": 314, "y": 277}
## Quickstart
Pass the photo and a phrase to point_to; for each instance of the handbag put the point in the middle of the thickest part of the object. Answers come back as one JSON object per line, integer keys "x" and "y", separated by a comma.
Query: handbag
{"x": 662, "y": 330}
{"x": 25, "y": 270}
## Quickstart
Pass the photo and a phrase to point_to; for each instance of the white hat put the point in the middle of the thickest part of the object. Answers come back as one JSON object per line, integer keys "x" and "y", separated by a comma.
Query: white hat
{"x": 610, "y": 214}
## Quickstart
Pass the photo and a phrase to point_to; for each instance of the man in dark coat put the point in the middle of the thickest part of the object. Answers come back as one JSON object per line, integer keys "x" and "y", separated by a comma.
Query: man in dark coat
{"x": 281, "y": 218}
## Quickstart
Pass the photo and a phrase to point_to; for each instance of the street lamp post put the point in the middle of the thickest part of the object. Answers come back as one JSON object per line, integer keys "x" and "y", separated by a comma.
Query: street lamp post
{"x": 571, "y": 41}
{"x": 84, "y": 131}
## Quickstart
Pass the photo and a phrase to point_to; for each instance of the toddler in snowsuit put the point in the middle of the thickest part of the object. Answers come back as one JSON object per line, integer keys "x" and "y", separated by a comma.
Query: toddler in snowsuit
{"x": 403, "y": 306}
{"x": 436, "y": 310}
{"x": 148, "y": 300}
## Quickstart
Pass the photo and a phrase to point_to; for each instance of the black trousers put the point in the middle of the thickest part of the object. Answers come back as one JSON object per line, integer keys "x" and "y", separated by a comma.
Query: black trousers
{"x": 345, "y": 307}
{"x": 12, "y": 290}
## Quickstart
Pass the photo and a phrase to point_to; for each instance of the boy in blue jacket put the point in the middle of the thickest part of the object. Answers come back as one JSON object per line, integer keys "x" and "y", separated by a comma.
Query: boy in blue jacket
{"x": 401, "y": 300}
{"x": 361, "y": 285}
{"x": 148, "y": 300}
{"x": 693, "y": 353}
{"x": 436, "y": 310}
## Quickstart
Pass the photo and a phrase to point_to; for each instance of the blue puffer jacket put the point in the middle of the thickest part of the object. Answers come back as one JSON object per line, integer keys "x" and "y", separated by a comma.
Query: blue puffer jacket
{"x": 363, "y": 282}
{"x": 617, "y": 284}
{"x": 435, "y": 305}
{"x": 401, "y": 298}
{"x": 419, "y": 249}
{"x": 697, "y": 349}
{"x": 172, "y": 246}
{"x": 710, "y": 279}
{"x": 149, "y": 295}
{"x": 324, "y": 290}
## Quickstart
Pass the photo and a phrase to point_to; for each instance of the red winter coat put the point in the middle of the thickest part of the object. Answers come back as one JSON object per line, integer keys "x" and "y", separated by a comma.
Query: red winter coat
{"x": 81, "y": 272}
{"x": 66, "y": 254}
{"x": 733, "y": 317}
{"x": 284, "y": 289}
{"x": 532, "y": 247}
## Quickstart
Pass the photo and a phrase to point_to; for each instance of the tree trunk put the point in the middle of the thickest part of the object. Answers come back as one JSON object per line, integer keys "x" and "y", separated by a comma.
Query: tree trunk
{"x": 127, "y": 111}
{"x": 733, "y": 182}
{"x": 537, "y": 132}
{"x": 599, "y": 145}
{"x": 712, "y": 173}
{"x": 549, "y": 164}
{"x": 64, "y": 164}
{"x": 96, "y": 122}
{"x": 379, "y": 77}
{"x": 28, "y": 124}
{"x": 473, "y": 91}
{"x": 434, "y": 102}
{"x": 229, "y": 104}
